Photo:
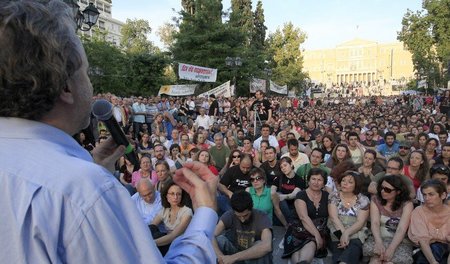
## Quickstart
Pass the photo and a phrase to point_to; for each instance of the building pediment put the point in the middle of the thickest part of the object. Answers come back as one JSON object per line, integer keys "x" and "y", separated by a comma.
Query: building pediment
{"x": 356, "y": 42}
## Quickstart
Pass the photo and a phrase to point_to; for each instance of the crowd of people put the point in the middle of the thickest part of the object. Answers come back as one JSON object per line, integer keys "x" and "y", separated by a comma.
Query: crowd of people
{"x": 341, "y": 175}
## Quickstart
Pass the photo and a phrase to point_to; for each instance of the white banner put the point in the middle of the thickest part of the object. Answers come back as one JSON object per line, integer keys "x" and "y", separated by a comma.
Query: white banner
{"x": 224, "y": 90}
{"x": 177, "y": 90}
{"x": 196, "y": 73}
{"x": 257, "y": 84}
{"x": 422, "y": 83}
{"x": 278, "y": 89}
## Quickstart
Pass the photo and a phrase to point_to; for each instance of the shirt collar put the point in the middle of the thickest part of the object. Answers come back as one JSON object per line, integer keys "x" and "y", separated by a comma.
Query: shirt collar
{"x": 18, "y": 128}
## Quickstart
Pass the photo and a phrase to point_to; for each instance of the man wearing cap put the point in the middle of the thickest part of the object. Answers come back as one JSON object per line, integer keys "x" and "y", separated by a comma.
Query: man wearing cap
{"x": 403, "y": 150}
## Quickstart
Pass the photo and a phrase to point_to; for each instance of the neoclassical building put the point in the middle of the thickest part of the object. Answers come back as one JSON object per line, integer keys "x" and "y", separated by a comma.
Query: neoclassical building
{"x": 359, "y": 60}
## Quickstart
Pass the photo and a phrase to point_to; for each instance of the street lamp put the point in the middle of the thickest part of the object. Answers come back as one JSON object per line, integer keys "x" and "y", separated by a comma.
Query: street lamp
{"x": 233, "y": 62}
{"x": 84, "y": 19}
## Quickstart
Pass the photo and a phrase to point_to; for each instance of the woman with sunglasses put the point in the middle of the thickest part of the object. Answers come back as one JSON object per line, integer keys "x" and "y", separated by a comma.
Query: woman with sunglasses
{"x": 175, "y": 216}
{"x": 348, "y": 212}
{"x": 262, "y": 197}
{"x": 233, "y": 159}
{"x": 390, "y": 214}
{"x": 438, "y": 172}
{"x": 430, "y": 225}
{"x": 312, "y": 213}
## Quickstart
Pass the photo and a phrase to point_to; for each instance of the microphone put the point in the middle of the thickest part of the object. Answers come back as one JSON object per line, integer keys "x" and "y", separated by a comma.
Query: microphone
{"x": 103, "y": 111}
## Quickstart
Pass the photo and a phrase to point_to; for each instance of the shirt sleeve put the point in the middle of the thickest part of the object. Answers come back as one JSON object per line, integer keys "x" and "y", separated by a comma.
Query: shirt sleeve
{"x": 418, "y": 229}
{"x": 195, "y": 245}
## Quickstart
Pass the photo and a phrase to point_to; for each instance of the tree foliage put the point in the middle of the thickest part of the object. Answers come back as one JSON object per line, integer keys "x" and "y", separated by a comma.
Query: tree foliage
{"x": 426, "y": 34}
{"x": 135, "y": 37}
{"x": 286, "y": 56}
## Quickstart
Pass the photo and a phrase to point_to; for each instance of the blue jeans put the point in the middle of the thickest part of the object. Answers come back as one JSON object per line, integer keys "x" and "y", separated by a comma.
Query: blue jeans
{"x": 287, "y": 211}
{"x": 440, "y": 253}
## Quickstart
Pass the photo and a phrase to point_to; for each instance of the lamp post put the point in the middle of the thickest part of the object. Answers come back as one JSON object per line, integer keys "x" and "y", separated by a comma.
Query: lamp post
{"x": 234, "y": 63}
{"x": 84, "y": 19}
{"x": 268, "y": 73}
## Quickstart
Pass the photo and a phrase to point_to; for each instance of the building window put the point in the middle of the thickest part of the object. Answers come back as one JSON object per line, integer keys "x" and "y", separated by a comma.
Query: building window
{"x": 101, "y": 24}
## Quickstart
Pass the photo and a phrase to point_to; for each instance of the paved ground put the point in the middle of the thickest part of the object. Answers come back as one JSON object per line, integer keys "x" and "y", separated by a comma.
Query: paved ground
{"x": 278, "y": 252}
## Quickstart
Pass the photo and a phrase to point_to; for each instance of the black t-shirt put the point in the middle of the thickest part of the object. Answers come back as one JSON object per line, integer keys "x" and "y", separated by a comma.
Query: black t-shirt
{"x": 262, "y": 108}
{"x": 214, "y": 105}
{"x": 244, "y": 236}
{"x": 271, "y": 173}
{"x": 313, "y": 212}
{"x": 235, "y": 180}
{"x": 287, "y": 186}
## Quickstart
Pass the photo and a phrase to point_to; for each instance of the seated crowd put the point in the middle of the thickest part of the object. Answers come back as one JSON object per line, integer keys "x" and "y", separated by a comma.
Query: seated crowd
{"x": 355, "y": 182}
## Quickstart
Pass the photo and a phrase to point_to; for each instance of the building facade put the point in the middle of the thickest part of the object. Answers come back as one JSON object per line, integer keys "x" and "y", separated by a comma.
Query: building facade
{"x": 105, "y": 21}
{"x": 360, "y": 61}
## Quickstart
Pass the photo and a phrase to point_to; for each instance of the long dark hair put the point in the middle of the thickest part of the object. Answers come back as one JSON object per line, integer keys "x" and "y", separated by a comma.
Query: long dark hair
{"x": 398, "y": 184}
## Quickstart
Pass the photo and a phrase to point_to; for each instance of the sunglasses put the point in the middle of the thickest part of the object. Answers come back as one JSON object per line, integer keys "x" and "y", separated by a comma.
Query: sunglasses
{"x": 369, "y": 135}
{"x": 258, "y": 178}
{"x": 440, "y": 169}
{"x": 387, "y": 190}
{"x": 403, "y": 147}
{"x": 235, "y": 157}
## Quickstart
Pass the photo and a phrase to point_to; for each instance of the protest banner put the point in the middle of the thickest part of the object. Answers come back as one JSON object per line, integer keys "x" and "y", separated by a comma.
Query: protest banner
{"x": 223, "y": 90}
{"x": 278, "y": 88}
{"x": 196, "y": 73}
{"x": 177, "y": 90}
{"x": 257, "y": 84}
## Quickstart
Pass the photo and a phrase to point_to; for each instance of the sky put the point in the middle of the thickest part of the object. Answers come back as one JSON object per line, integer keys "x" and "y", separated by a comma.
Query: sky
{"x": 326, "y": 23}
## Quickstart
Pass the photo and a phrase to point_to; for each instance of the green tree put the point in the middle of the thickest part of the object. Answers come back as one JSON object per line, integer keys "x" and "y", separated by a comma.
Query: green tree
{"x": 259, "y": 31}
{"x": 242, "y": 17}
{"x": 135, "y": 37}
{"x": 106, "y": 64}
{"x": 166, "y": 33}
{"x": 202, "y": 39}
{"x": 426, "y": 34}
{"x": 286, "y": 56}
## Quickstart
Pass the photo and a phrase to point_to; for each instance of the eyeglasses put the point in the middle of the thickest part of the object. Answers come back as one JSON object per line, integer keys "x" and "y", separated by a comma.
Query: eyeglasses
{"x": 369, "y": 135}
{"x": 258, "y": 178}
{"x": 236, "y": 157}
{"x": 174, "y": 194}
{"x": 386, "y": 189}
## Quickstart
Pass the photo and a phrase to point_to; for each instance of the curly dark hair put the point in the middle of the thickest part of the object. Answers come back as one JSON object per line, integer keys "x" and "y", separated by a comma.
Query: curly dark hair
{"x": 39, "y": 52}
{"x": 399, "y": 186}
{"x": 165, "y": 203}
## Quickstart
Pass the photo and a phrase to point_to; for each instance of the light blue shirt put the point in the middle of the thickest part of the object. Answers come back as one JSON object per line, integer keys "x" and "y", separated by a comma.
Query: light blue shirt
{"x": 146, "y": 210}
{"x": 58, "y": 206}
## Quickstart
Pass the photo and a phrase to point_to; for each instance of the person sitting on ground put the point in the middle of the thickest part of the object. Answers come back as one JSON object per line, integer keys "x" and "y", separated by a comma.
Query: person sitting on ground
{"x": 175, "y": 216}
{"x": 312, "y": 213}
{"x": 243, "y": 234}
{"x": 430, "y": 224}
{"x": 235, "y": 179}
{"x": 390, "y": 214}
{"x": 147, "y": 200}
{"x": 439, "y": 172}
{"x": 348, "y": 212}
{"x": 263, "y": 199}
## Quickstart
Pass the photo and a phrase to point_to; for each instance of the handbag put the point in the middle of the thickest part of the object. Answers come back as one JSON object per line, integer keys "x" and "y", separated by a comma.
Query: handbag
{"x": 297, "y": 236}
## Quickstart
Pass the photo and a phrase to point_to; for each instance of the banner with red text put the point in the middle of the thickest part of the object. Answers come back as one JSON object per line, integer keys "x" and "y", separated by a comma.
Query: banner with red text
{"x": 196, "y": 73}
